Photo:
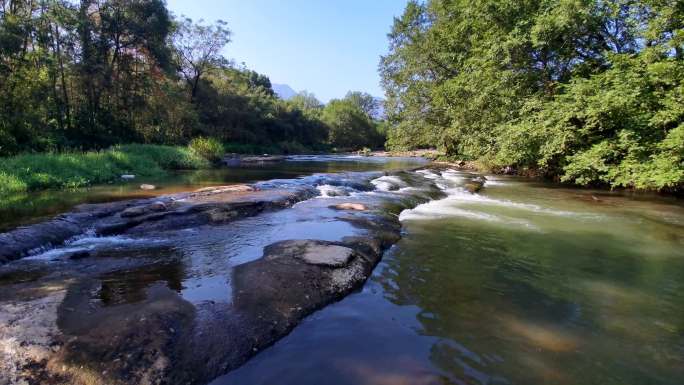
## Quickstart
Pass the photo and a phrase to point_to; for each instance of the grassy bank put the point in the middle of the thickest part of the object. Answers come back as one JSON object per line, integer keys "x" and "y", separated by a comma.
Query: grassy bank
{"x": 77, "y": 169}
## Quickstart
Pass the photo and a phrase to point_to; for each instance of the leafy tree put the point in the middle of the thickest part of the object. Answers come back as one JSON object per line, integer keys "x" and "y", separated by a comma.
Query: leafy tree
{"x": 365, "y": 101}
{"x": 94, "y": 73}
{"x": 306, "y": 101}
{"x": 350, "y": 127}
{"x": 198, "y": 49}
{"x": 575, "y": 89}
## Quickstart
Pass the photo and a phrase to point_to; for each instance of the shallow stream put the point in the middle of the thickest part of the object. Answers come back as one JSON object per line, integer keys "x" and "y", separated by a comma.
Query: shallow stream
{"x": 520, "y": 283}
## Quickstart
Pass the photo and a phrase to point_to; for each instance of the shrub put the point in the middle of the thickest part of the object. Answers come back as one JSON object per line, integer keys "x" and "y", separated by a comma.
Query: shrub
{"x": 209, "y": 148}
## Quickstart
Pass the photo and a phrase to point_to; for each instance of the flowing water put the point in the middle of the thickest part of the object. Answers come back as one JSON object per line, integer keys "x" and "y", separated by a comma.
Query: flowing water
{"x": 25, "y": 208}
{"x": 521, "y": 283}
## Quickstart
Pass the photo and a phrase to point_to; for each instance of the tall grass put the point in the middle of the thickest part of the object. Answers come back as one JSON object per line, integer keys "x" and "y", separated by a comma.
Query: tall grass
{"x": 208, "y": 148}
{"x": 77, "y": 169}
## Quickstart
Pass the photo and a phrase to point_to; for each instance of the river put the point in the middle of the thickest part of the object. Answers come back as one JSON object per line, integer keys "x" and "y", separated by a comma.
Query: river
{"x": 521, "y": 283}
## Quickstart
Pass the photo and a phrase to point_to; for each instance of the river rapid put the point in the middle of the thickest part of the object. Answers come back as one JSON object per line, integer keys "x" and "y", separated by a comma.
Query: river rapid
{"x": 521, "y": 282}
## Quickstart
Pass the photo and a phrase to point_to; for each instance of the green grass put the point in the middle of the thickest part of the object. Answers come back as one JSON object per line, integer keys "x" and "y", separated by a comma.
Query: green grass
{"x": 77, "y": 169}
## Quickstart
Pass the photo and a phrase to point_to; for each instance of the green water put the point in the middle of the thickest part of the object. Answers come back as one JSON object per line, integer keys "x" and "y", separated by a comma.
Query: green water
{"x": 524, "y": 283}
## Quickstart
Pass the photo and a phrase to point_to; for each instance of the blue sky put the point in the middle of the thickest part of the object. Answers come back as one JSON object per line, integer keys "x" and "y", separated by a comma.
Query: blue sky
{"x": 327, "y": 47}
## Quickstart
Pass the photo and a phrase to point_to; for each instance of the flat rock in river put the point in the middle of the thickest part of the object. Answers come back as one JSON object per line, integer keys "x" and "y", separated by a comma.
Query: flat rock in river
{"x": 317, "y": 253}
{"x": 102, "y": 327}
{"x": 171, "y": 212}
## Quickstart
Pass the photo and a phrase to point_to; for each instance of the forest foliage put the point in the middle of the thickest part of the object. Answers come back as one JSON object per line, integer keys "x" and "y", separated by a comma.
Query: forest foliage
{"x": 89, "y": 74}
{"x": 585, "y": 91}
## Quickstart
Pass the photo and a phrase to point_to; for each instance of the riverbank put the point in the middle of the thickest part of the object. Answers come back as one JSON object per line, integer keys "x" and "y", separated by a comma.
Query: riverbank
{"x": 74, "y": 169}
{"x": 77, "y": 169}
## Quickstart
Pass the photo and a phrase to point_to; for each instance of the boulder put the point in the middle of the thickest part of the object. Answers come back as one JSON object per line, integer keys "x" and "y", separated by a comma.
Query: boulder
{"x": 157, "y": 206}
{"x": 133, "y": 212}
{"x": 143, "y": 209}
{"x": 508, "y": 170}
{"x": 473, "y": 187}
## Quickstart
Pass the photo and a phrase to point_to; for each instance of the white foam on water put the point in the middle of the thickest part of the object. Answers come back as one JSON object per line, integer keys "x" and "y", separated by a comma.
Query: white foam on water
{"x": 328, "y": 191}
{"x": 461, "y": 203}
{"x": 446, "y": 208}
{"x": 88, "y": 242}
{"x": 490, "y": 182}
{"x": 441, "y": 209}
{"x": 428, "y": 174}
{"x": 388, "y": 183}
{"x": 462, "y": 196}
{"x": 409, "y": 189}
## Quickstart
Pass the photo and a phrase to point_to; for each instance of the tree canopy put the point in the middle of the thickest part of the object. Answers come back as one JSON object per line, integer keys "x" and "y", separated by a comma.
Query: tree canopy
{"x": 585, "y": 91}
{"x": 94, "y": 73}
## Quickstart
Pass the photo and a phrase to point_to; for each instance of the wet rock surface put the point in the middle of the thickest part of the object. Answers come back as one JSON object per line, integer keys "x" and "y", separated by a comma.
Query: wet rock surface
{"x": 235, "y": 159}
{"x": 165, "y": 297}
{"x": 213, "y": 205}
{"x": 350, "y": 206}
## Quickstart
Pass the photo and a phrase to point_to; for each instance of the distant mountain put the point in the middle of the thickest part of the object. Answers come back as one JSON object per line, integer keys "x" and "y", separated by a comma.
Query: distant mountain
{"x": 283, "y": 91}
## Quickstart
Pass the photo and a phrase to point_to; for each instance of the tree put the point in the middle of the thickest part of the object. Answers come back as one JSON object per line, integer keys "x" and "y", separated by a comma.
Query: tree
{"x": 575, "y": 89}
{"x": 365, "y": 101}
{"x": 198, "y": 48}
{"x": 306, "y": 101}
{"x": 93, "y": 73}
{"x": 350, "y": 127}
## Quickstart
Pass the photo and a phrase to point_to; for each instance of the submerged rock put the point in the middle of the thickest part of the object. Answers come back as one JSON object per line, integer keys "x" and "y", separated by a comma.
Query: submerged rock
{"x": 143, "y": 209}
{"x": 475, "y": 184}
{"x": 162, "y": 338}
{"x": 232, "y": 160}
{"x": 118, "y": 318}
{"x": 350, "y": 206}
{"x": 172, "y": 212}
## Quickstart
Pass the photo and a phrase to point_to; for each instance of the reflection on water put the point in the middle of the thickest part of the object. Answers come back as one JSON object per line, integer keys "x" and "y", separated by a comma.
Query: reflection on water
{"x": 129, "y": 286}
{"x": 523, "y": 283}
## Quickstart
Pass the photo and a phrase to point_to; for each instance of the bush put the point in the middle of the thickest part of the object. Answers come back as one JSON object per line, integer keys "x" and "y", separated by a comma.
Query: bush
{"x": 77, "y": 169}
{"x": 209, "y": 148}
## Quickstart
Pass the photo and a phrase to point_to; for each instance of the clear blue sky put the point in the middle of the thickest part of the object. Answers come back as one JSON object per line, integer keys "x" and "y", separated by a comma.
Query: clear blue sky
{"x": 327, "y": 47}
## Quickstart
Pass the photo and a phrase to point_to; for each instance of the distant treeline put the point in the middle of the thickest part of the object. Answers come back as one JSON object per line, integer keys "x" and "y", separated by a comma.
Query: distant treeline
{"x": 94, "y": 73}
{"x": 586, "y": 91}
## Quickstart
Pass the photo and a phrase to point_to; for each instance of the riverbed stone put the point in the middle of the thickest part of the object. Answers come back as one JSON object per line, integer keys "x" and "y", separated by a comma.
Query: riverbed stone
{"x": 157, "y": 336}
{"x": 350, "y": 206}
{"x": 327, "y": 255}
{"x": 225, "y": 189}
{"x": 146, "y": 186}
{"x": 157, "y": 206}
{"x": 133, "y": 212}
{"x": 473, "y": 186}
